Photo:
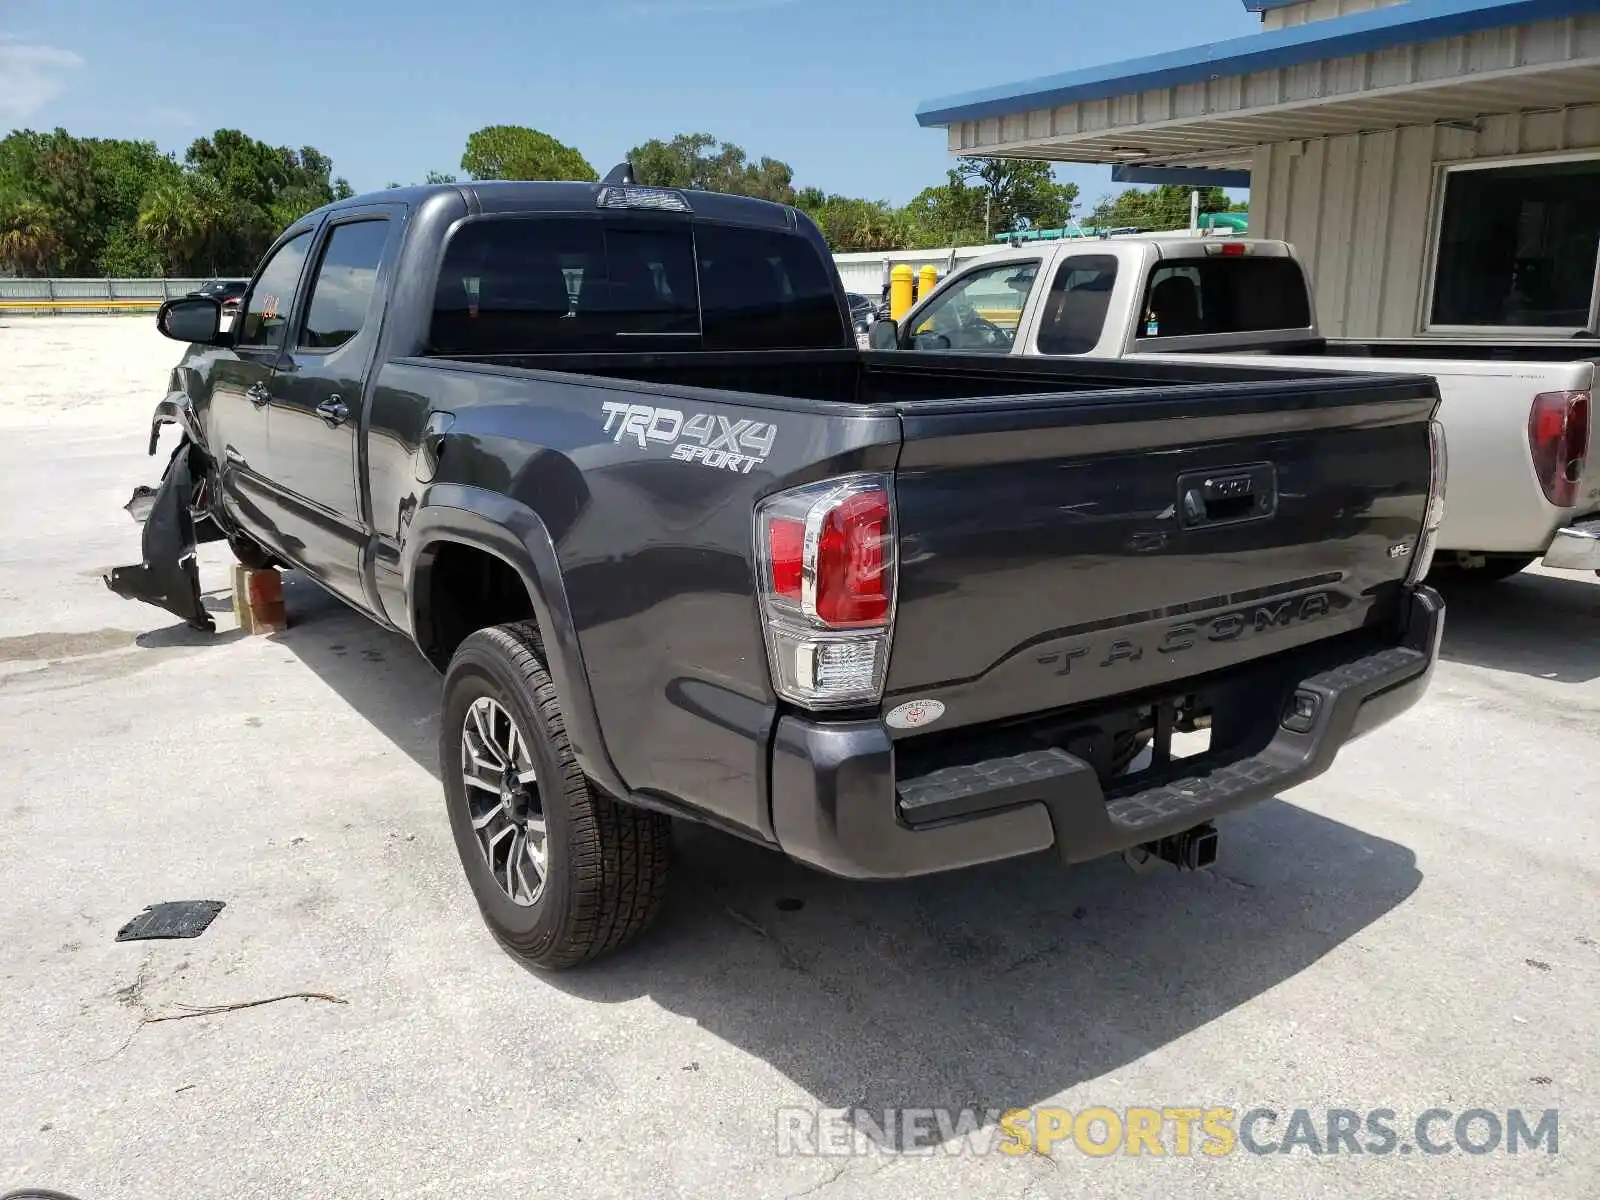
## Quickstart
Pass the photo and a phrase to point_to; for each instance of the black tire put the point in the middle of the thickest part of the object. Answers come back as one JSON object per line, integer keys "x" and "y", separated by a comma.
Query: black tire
{"x": 1496, "y": 567}
{"x": 251, "y": 553}
{"x": 607, "y": 863}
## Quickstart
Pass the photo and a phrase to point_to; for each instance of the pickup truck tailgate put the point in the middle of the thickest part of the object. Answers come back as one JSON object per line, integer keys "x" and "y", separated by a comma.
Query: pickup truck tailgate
{"x": 1055, "y": 550}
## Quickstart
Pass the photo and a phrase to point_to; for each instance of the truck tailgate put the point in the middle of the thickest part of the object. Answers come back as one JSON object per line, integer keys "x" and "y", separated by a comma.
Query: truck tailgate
{"x": 1055, "y": 550}
{"x": 1484, "y": 404}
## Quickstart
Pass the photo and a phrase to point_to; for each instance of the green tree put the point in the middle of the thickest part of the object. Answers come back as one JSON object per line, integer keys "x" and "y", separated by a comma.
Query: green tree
{"x": 246, "y": 170}
{"x": 768, "y": 179}
{"x": 185, "y": 224}
{"x": 1018, "y": 193}
{"x": 1158, "y": 208}
{"x": 30, "y": 241}
{"x": 126, "y": 255}
{"x": 259, "y": 189}
{"x": 699, "y": 161}
{"x": 89, "y": 187}
{"x": 690, "y": 160}
{"x": 850, "y": 224}
{"x": 169, "y": 224}
{"x": 951, "y": 214}
{"x": 118, "y": 207}
{"x": 517, "y": 152}
{"x": 432, "y": 177}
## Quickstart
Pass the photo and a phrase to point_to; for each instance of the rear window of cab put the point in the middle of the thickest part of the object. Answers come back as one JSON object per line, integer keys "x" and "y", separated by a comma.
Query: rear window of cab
{"x": 521, "y": 285}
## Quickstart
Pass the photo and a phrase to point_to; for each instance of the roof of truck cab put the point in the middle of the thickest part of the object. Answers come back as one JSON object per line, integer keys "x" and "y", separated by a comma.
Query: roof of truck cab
{"x": 1163, "y": 242}
{"x": 518, "y": 196}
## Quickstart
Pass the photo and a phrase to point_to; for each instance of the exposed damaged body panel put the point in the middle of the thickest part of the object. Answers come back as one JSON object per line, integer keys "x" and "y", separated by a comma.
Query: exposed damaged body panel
{"x": 169, "y": 575}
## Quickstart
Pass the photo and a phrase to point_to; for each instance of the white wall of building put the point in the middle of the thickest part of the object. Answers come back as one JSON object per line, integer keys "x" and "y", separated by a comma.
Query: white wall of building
{"x": 1362, "y": 209}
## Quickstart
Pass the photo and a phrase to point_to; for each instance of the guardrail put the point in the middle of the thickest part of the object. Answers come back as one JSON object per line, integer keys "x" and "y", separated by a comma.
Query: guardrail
{"x": 49, "y": 297}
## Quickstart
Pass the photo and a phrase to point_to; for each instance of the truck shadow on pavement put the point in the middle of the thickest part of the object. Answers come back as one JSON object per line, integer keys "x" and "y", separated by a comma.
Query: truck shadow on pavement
{"x": 1001, "y": 986}
{"x": 987, "y": 989}
{"x": 1546, "y": 626}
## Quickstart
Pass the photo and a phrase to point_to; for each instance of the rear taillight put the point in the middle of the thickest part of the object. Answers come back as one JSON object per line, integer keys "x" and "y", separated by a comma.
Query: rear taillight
{"x": 1433, "y": 516}
{"x": 1558, "y": 436}
{"x": 826, "y": 589}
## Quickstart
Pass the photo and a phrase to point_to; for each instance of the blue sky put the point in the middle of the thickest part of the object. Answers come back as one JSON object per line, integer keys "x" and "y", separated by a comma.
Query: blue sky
{"x": 391, "y": 88}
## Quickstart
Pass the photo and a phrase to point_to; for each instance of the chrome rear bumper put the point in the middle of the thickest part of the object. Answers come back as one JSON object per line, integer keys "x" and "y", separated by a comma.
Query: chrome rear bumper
{"x": 1576, "y": 547}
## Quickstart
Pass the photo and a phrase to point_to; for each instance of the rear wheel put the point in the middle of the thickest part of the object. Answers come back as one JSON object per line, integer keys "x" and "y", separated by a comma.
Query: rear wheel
{"x": 1466, "y": 568}
{"x": 561, "y": 873}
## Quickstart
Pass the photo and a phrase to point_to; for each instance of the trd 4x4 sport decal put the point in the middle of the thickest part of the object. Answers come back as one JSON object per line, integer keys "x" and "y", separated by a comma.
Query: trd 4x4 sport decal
{"x": 704, "y": 438}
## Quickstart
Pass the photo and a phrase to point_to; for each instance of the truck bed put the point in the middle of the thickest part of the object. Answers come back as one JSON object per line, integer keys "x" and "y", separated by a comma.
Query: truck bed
{"x": 1044, "y": 566}
{"x": 885, "y": 376}
{"x": 1519, "y": 350}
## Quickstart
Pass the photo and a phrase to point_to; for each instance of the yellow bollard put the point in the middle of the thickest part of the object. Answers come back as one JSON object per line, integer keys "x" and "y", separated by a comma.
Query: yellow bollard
{"x": 927, "y": 280}
{"x": 899, "y": 291}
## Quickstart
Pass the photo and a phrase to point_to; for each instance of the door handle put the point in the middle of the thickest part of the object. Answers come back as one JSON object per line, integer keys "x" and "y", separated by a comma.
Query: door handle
{"x": 333, "y": 411}
{"x": 258, "y": 394}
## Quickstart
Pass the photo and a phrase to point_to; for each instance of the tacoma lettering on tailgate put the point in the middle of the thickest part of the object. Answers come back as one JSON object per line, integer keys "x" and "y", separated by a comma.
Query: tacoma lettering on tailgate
{"x": 1185, "y": 635}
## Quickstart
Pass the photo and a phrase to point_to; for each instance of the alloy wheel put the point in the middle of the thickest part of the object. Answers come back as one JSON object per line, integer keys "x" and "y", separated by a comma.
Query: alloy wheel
{"x": 503, "y": 800}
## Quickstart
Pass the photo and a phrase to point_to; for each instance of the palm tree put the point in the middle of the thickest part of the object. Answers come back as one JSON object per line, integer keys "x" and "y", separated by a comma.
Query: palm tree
{"x": 183, "y": 220}
{"x": 169, "y": 222}
{"x": 29, "y": 238}
{"x": 210, "y": 208}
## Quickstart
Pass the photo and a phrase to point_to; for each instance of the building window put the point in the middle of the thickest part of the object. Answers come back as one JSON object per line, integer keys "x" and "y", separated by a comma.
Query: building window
{"x": 1517, "y": 247}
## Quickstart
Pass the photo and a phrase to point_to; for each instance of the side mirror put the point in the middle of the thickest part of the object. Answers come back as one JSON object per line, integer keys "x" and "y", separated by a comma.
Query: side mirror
{"x": 884, "y": 335}
{"x": 191, "y": 319}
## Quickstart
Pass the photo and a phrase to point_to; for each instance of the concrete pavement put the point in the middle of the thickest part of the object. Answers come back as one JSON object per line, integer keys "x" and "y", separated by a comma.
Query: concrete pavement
{"x": 1417, "y": 929}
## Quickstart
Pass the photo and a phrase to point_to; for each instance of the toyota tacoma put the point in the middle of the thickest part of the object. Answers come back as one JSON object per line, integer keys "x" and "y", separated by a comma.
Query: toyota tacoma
{"x": 610, "y": 457}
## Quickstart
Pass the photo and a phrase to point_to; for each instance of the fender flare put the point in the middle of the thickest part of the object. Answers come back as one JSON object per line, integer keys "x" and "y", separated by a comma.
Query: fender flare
{"x": 174, "y": 409}
{"x": 515, "y": 534}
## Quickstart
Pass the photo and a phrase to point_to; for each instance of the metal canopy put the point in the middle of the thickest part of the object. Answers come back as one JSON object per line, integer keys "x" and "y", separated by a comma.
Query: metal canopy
{"x": 1236, "y": 103}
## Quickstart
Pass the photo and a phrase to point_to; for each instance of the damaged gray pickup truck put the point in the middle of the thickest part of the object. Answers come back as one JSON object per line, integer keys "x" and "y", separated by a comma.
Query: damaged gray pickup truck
{"x": 609, "y": 457}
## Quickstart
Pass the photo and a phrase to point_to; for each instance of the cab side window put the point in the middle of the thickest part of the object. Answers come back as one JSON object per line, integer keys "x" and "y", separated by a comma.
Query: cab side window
{"x": 346, "y": 279}
{"x": 265, "y": 318}
{"x": 978, "y": 312}
{"x": 1075, "y": 310}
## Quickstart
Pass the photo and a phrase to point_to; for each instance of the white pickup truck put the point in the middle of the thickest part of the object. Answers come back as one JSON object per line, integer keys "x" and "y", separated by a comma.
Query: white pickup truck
{"x": 1517, "y": 414}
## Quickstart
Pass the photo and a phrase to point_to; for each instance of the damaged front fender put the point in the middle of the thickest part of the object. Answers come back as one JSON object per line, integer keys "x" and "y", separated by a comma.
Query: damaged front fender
{"x": 169, "y": 576}
{"x": 174, "y": 410}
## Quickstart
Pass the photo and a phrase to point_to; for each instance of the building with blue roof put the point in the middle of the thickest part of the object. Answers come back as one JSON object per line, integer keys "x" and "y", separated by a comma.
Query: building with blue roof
{"x": 1435, "y": 162}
